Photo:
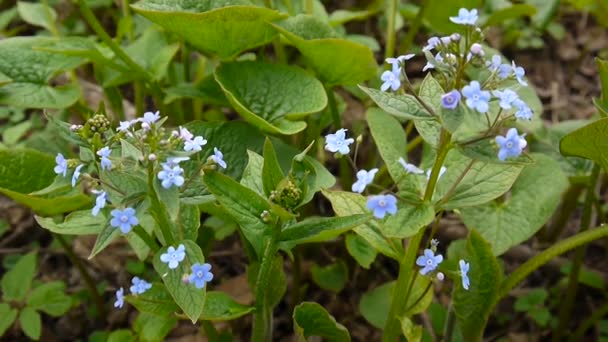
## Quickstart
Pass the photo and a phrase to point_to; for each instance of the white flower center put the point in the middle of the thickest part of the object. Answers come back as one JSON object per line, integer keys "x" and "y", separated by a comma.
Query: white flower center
{"x": 382, "y": 203}
{"x": 199, "y": 274}
{"x": 124, "y": 218}
{"x": 476, "y": 97}
{"x": 509, "y": 144}
{"x": 429, "y": 262}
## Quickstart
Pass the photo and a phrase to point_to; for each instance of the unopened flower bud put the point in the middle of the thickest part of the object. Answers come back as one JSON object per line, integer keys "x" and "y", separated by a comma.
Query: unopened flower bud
{"x": 455, "y": 37}
{"x": 145, "y": 126}
{"x": 175, "y": 134}
{"x": 477, "y": 49}
{"x": 440, "y": 276}
{"x": 265, "y": 216}
{"x": 446, "y": 40}
{"x": 152, "y": 157}
{"x": 74, "y": 128}
{"x": 360, "y": 139}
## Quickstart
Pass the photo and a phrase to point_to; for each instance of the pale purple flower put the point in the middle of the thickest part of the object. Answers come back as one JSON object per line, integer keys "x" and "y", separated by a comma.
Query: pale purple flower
{"x": 185, "y": 134}
{"x": 104, "y": 153}
{"x": 174, "y": 256}
{"x": 76, "y": 174}
{"x": 218, "y": 158}
{"x": 476, "y": 97}
{"x": 338, "y": 142}
{"x": 464, "y": 274}
{"x": 120, "y": 298}
{"x": 201, "y": 274}
{"x": 380, "y": 205}
{"x": 398, "y": 62}
{"x": 428, "y": 261}
{"x": 450, "y": 100}
{"x": 431, "y": 44}
{"x": 100, "y": 201}
{"x": 465, "y": 17}
{"x": 391, "y": 79}
{"x": 477, "y": 49}
{"x": 150, "y": 117}
{"x": 519, "y": 73}
{"x": 195, "y": 144}
{"x": 364, "y": 178}
{"x": 410, "y": 168}
{"x": 62, "y": 165}
{"x": 507, "y": 98}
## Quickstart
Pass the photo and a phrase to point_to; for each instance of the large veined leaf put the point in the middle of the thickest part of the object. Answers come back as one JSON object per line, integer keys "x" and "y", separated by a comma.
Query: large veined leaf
{"x": 337, "y": 61}
{"x": 534, "y": 197}
{"x": 189, "y": 298}
{"x": 37, "y": 14}
{"x": 24, "y": 171}
{"x": 31, "y": 71}
{"x": 311, "y": 319}
{"x": 219, "y": 28}
{"x": 268, "y": 94}
{"x": 589, "y": 142}
{"x": 77, "y": 223}
{"x": 403, "y": 106}
{"x": 473, "y": 306}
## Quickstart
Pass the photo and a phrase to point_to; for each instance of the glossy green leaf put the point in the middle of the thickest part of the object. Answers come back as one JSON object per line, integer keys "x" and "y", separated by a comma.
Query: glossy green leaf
{"x": 311, "y": 319}
{"x": 482, "y": 183}
{"x": 590, "y": 142}
{"x": 24, "y": 171}
{"x": 360, "y": 250}
{"x": 50, "y": 298}
{"x": 268, "y": 94}
{"x": 156, "y": 301}
{"x": 219, "y": 306}
{"x": 81, "y": 47}
{"x": 336, "y": 61}
{"x": 8, "y": 315}
{"x": 332, "y": 277}
{"x": 152, "y": 328}
{"x": 272, "y": 175}
{"x": 30, "y": 323}
{"x": 219, "y": 28}
{"x": 512, "y": 12}
{"x": 31, "y": 71}
{"x": 533, "y": 199}
{"x": 252, "y": 175}
{"x": 319, "y": 229}
{"x": 347, "y": 204}
{"x": 403, "y": 106}
{"x": 189, "y": 298}
{"x": 17, "y": 281}
{"x": 243, "y": 204}
{"x": 37, "y": 14}
{"x": 473, "y": 307}
{"x": 408, "y": 221}
{"x": 77, "y": 223}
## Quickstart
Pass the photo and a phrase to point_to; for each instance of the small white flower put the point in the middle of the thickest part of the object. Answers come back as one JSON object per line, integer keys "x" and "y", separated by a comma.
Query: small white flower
{"x": 410, "y": 168}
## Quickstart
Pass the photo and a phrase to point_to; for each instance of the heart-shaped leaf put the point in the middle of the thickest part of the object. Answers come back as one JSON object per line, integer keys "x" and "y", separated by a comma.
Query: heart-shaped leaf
{"x": 268, "y": 94}
{"x": 311, "y": 319}
{"x": 589, "y": 142}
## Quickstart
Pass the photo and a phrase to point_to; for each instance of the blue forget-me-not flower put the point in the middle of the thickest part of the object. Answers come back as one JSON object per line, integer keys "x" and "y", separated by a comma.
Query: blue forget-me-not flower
{"x": 391, "y": 79}
{"x": 195, "y": 144}
{"x": 150, "y": 117}
{"x": 428, "y": 261}
{"x": 450, "y": 100}
{"x": 218, "y": 158}
{"x": 519, "y": 73}
{"x": 510, "y": 145}
{"x": 503, "y": 70}
{"x": 171, "y": 175}
{"x": 397, "y": 62}
{"x": 364, "y": 178}
{"x": 431, "y": 43}
{"x": 100, "y": 201}
{"x": 62, "y": 165}
{"x": 476, "y": 98}
{"x": 76, "y": 174}
{"x": 120, "y": 298}
{"x": 523, "y": 111}
{"x": 464, "y": 273}
{"x": 104, "y": 153}
{"x": 465, "y": 17}
{"x": 338, "y": 142}
{"x": 380, "y": 205}
{"x": 139, "y": 286}
{"x": 201, "y": 274}
{"x": 174, "y": 256}
{"x": 124, "y": 219}
{"x": 506, "y": 97}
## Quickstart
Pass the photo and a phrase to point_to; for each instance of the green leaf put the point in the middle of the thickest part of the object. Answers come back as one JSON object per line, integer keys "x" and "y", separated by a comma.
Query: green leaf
{"x": 319, "y": 229}
{"x": 220, "y": 28}
{"x": 121, "y": 335}
{"x": 7, "y": 317}
{"x": 534, "y": 197}
{"x": 190, "y": 299}
{"x": 152, "y": 328}
{"x": 512, "y": 12}
{"x": 482, "y": 183}
{"x": 332, "y": 277}
{"x": 361, "y": 250}
{"x": 411, "y": 331}
{"x": 277, "y": 282}
{"x": 486, "y": 151}
{"x": 590, "y": 142}
{"x": 81, "y": 47}
{"x": 31, "y": 71}
{"x": 221, "y": 307}
{"x": 336, "y": 61}
{"x": 311, "y": 319}
{"x": 25, "y": 171}
{"x": 272, "y": 175}
{"x": 340, "y": 17}
{"x": 252, "y": 175}
{"x": 268, "y": 94}
{"x": 12, "y": 134}
{"x": 206, "y": 89}
{"x": 30, "y": 323}
{"x": 243, "y": 204}
{"x": 473, "y": 307}
{"x": 189, "y": 221}
{"x": 374, "y": 303}
{"x": 403, "y": 106}
{"x": 77, "y": 223}
{"x": 408, "y": 221}
{"x": 50, "y": 298}
{"x": 107, "y": 235}
{"x": 347, "y": 204}
{"x": 37, "y": 14}
{"x": 156, "y": 301}
{"x": 391, "y": 142}
{"x": 17, "y": 282}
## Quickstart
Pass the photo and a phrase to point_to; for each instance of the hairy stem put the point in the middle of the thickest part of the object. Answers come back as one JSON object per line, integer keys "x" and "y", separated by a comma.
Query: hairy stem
{"x": 262, "y": 322}
{"x": 142, "y": 234}
{"x": 391, "y": 15}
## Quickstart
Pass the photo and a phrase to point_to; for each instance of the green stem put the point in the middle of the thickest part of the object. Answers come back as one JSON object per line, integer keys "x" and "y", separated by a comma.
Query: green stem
{"x": 262, "y": 323}
{"x": 139, "y": 97}
{"x": 333, "y": 107}
{"x": 448, "y": 331}
{"x": 406, "y": 44}
{"x": 391, "y": 14}
{"x": 142, "y": 234}
{"x": 158, "y": 210}
{"x": 545, "y": 256}
{"x": 568, "y": 301}
{"x": 406, "y": 277}
{"x": 90, "y": 284}
{"x": 568, "y": 206}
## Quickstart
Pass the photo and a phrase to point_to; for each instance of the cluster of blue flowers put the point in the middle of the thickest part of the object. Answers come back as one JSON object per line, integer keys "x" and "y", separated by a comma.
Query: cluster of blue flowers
{"x": 139, "y": 286}
{"x": 429, "y": 261}
{"x": 200, "y": 275}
